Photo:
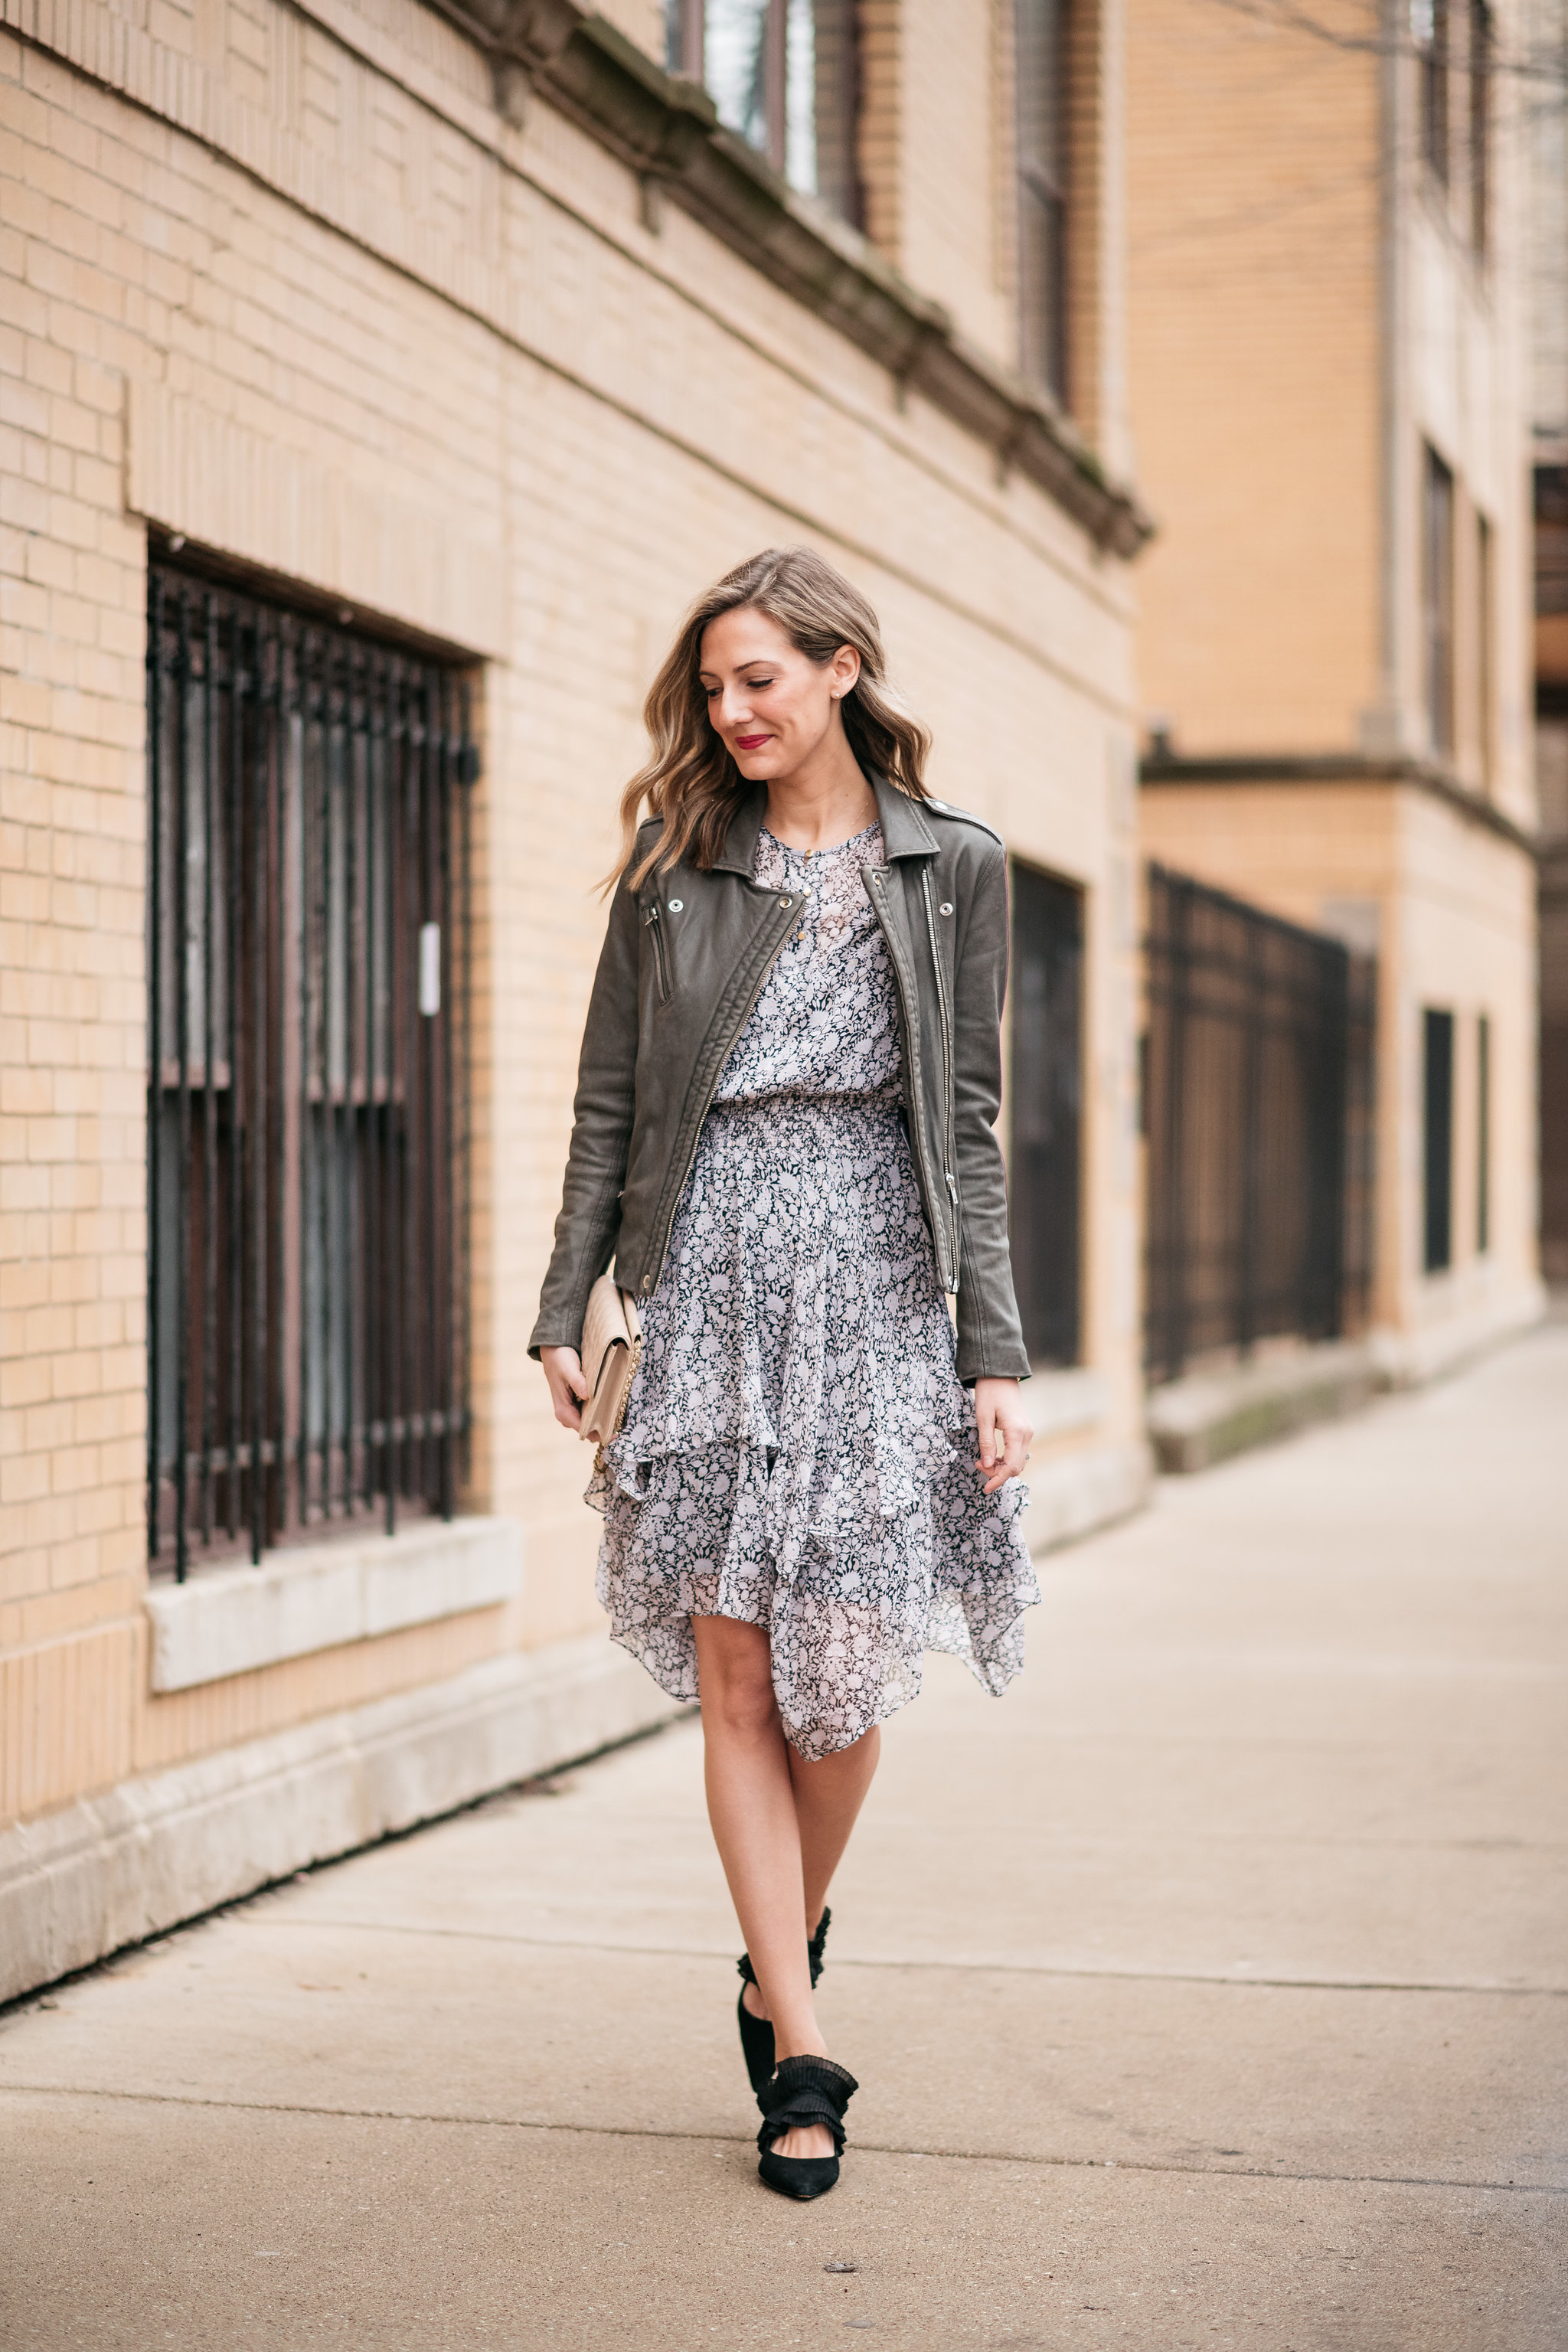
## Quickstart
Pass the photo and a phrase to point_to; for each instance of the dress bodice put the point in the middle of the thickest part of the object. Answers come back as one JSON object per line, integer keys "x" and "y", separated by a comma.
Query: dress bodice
{"x": 826, "y": 1022}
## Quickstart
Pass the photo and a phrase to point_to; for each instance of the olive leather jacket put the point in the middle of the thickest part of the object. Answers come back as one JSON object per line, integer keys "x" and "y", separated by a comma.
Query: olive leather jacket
{"x": 683, "y": 963}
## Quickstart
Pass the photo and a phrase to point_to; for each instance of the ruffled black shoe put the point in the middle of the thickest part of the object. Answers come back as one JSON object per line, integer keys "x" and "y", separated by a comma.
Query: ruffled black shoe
{"x": 757, "y": 2032}
{"x": 802, "y": 2091}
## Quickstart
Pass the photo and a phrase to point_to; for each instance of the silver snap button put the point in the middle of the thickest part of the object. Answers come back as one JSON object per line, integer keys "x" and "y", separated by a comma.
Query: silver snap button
{"x": 944, "y": 908}
{"x": 784, "y": 902}
{"x": 676, "y": 905}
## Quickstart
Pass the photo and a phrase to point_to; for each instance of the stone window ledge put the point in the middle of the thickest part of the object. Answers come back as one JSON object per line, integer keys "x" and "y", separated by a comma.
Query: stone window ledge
{"x": 316, "y": 1598}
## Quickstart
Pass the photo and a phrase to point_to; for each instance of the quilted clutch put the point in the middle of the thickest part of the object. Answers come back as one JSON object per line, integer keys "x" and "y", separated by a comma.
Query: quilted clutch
{"x": 612, "y": 1345}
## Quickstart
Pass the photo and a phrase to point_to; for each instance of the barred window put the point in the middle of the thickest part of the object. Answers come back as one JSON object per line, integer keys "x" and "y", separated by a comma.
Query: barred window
{"x": 784, "y": 74}
{"x": 308, "y": 1065}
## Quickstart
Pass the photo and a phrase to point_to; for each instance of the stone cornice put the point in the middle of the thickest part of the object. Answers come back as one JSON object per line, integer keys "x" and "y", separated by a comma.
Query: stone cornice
{"x": 667, "y": 130}
{"x": 1336, "y": 768}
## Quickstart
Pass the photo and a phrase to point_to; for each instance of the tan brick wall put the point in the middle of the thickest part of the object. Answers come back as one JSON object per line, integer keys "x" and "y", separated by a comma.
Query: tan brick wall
{"x": 1261, "y": 370}
{"x": 1252, "y": 312}
{"x": 361, "y": 334}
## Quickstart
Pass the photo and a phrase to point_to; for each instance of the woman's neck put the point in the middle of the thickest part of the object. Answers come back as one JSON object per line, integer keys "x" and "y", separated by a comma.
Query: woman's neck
{"x": 822, "y": 805}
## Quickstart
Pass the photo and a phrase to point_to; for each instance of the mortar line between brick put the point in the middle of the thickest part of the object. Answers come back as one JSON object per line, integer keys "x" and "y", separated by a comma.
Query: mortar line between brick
{"x": 745, "y": 2139}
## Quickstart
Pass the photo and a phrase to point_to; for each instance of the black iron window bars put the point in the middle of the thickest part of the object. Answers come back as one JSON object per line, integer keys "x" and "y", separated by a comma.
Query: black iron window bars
{"x": 1258, "y": 1109}
{"x": 307, "y": 1074}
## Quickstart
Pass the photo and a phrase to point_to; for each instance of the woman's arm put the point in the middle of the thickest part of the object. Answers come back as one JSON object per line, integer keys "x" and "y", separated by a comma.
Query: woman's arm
{"x": 990, "y": 1341}
{"x": 590, "y": 1214}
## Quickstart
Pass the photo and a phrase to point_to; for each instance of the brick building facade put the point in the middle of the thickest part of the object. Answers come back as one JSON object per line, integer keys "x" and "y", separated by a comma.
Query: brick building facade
{"x": 369, "y": 335}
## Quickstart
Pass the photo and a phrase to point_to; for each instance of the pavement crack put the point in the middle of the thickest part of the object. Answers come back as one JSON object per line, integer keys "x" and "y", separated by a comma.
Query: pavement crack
{"x": 959, "y": 1968}
{"x": 746, "y": 2139}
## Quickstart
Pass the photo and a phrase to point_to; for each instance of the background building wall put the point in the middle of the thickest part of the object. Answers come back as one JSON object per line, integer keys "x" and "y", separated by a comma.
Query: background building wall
{"x": 1308, "y": 317}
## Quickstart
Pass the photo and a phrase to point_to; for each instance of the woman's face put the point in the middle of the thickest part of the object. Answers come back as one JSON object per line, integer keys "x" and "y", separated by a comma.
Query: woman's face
{"x": 772, "y": 705}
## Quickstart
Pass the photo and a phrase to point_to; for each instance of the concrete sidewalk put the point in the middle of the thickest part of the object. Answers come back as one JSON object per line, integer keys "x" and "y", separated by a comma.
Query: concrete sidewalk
{"x": 1210, "y": 1990}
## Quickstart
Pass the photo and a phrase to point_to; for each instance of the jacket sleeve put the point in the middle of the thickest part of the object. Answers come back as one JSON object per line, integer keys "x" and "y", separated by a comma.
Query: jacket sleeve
{"x": 990, "y": 1340}
{"x": 590, "y": 1216}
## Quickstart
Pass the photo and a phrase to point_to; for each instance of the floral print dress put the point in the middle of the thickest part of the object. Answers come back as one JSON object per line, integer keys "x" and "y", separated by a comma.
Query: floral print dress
{"x": 798, "y": 1451}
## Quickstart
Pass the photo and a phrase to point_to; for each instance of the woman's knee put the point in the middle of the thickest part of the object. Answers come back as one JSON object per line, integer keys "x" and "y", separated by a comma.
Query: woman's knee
{"x": 734, "y": 1675}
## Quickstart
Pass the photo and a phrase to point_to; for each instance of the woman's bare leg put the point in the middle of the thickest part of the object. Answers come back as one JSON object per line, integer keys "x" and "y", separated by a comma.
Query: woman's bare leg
{"x": 828, "y": 1796}
{"x": 765, "y": 1821}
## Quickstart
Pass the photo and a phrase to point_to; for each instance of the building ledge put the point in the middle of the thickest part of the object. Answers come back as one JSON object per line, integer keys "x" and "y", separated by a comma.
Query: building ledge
{"x": 134, "y": 1860}
{"x": 668, "y": 131}
{"x": 1205, "y": 1417}
{"x": 1166, "y": 767}
{"x": 230, "y": 1620}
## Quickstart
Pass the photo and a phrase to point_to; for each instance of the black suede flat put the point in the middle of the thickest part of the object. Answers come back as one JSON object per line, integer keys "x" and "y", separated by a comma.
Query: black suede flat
{"x": 757, "y": 2032}
{"x": 802, "y": 2091}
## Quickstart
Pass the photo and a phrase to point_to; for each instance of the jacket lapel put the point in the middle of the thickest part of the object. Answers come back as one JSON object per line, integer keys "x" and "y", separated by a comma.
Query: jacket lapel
{"x": 905, "y": 832}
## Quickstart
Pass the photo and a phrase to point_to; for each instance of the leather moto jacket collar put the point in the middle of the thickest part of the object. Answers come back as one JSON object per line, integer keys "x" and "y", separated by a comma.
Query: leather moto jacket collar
{"x": 684, "y": 961}
{"x": 905, "y": 832}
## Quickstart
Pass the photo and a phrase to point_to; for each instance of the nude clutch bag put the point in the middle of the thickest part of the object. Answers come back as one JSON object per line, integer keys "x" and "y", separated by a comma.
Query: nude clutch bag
{"x": 612, "y": 1348}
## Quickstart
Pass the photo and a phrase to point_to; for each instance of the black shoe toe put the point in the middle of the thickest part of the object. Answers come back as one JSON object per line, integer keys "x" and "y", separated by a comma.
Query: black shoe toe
{"x": 803, "y": 2177}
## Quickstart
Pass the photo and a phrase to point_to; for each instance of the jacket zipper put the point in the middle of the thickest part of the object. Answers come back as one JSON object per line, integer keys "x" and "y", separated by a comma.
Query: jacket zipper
{"x": 653, "y": 921}
{"x": 941, "y": 1237}
{"x": 742, "y": 1017}
{"x": 950, "y": 1139}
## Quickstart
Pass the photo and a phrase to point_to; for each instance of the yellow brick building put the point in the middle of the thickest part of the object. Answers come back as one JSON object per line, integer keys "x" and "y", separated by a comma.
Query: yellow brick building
{"x": 377, "y": 382}
{"x": 1327, "y": 381}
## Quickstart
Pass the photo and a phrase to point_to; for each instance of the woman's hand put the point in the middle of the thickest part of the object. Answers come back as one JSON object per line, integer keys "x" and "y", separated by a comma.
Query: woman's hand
{"x": 1003, "y": 1431}
{"x": 569, "y": 1391}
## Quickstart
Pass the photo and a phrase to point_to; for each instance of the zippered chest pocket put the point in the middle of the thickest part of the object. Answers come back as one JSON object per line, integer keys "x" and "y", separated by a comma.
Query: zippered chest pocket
{"x": 653, "y": 922}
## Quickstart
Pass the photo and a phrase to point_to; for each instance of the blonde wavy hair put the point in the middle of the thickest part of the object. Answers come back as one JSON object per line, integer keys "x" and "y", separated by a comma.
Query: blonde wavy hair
{"x": 691, "y": 780}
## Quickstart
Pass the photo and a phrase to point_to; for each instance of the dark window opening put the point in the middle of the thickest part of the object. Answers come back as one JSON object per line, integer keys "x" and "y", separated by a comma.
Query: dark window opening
{"x": 1043, "y": 139}
{"x": 1486, "y": 668}
{"x": 1258, "y": 1106}
{"x": 1480, "y": 127}
{"x": 1047, "y": 1115}
{"x": 784, "y": 75}
{"x": 1437, "y": 1139}
{"x": 1438, "y": 598}
{"x": 307, "y": 894}
{"x": 1429, "y": 28}
{"x": 1483, "y": 1135}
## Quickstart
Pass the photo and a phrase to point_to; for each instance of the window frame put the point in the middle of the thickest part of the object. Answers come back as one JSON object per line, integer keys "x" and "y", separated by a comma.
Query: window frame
{"x": 1437, "y": 1025}
{"x": 1431, "y": 29}
{"x": 1043, "y": 183}
{"x": 1439, "y": 503}
{"x": 835, "y": 93}
{"x": 308, "y": 1069}
{"x": 1483, "y": 1134}
{"x": 1051, "y": 1312}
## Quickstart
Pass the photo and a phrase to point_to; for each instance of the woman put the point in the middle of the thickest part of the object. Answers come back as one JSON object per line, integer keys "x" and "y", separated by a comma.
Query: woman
{"x": 784, "y": 1135}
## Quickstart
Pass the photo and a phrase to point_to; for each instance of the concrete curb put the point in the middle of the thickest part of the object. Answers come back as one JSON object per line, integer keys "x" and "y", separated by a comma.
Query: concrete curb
{"x": 1208, "y": 1417}
{"x": 78, "y": 1884}
{"x": 1196, "y": 1423}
